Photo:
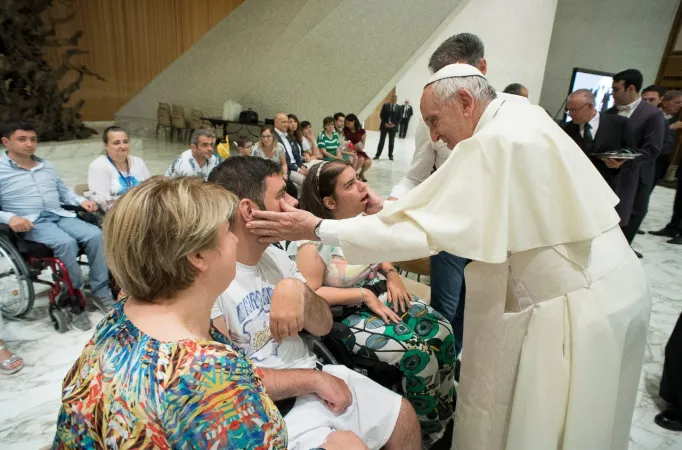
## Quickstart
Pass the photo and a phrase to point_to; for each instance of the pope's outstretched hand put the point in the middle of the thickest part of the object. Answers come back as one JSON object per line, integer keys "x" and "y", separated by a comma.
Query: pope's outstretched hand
{"x": 289, "y": 225}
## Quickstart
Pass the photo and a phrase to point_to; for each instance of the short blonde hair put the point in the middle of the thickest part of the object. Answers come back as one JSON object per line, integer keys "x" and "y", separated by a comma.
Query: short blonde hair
{"x": 151, "y": 230}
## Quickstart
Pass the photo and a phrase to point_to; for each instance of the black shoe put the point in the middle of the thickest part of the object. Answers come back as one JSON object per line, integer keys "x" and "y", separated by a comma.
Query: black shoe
{"x": 391, "y": 158}
{"x": 639, "y": 255}
{"x": 375, "y": 158}
{"x": 665, "y": 232}
{"x": 676, "y": 241}
{"x": 640, "y": 232}
{"x": 669, "y": 419}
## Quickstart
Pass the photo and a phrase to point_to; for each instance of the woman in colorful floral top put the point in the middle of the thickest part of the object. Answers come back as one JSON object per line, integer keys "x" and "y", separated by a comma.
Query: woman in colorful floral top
{"x": 113, "y": 173}
{"x": 389, "y": 323}
{"x": 156, "y": 374}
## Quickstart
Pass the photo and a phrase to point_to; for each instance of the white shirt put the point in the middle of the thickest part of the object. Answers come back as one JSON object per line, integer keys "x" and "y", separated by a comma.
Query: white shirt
{"x": 428, "y": 154}
{"x": 627, "y": 110}
{"x": 245, "y": 305}
{"x": 106, "y": 183}
{"x": 667, "y": 116}
{"x": 186, "y": 166}
{"x": 287, "y": 145}
{"x": 594, "y": 126}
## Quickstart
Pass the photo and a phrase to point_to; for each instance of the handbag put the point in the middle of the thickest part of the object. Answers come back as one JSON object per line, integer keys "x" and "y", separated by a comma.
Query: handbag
{"x": 248, "y": 116}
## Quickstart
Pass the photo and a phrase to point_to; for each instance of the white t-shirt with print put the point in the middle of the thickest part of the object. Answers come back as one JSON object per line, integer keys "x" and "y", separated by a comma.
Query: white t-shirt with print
{"x": 245, "y": 305}
{"x": 186, "y": 166}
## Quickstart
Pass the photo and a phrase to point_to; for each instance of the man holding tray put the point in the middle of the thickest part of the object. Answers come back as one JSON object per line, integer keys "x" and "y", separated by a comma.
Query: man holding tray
{"x": 596, "y": 134}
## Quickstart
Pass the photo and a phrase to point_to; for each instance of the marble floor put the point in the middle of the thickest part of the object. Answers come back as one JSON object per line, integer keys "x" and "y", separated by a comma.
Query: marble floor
{"x": 30, "y": 399}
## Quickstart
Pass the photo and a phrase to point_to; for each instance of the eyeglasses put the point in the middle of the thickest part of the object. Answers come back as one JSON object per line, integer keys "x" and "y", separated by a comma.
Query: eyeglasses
{"x": 575, "y": 110}
{"x": 266, "y": 136}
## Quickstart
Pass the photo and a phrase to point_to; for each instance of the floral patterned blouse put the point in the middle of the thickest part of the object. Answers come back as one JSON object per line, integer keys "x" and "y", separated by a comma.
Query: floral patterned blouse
{"x": 128, "y": 390}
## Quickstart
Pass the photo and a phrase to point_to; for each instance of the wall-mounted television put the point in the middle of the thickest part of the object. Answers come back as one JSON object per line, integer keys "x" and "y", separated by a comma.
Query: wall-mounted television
{"x": 597, "y": 82}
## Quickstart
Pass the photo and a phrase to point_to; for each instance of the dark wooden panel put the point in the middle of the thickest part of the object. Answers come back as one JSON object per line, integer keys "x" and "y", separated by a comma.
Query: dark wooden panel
{"x": 132, "y": 41}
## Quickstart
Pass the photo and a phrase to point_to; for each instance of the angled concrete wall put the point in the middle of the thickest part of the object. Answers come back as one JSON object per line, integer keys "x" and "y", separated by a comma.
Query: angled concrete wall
{"x": 310, "y": 57}
{"x": 516, "y": 36}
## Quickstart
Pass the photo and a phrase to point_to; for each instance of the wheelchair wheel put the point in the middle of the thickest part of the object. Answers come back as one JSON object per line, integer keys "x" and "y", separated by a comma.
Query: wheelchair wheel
{"x": 59, "y": 319}
{"x": 16, "y": 288}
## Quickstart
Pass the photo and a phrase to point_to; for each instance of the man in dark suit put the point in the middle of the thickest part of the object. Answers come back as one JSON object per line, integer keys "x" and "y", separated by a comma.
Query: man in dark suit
{"x": 648, "y": 128}
{"x": 671, "y": 105}
{"x": 597, "y": 133}
{"x": 390, "y": 118}
{"x": 405, "y": 114}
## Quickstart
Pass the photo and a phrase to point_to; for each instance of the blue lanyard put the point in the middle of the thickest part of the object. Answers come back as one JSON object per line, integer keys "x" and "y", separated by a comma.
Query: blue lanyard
{"x": 126, "y": 180}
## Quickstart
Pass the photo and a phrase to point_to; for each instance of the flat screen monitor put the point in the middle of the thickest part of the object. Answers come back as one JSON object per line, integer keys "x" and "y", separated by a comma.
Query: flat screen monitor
{"x": 597, "y": 82}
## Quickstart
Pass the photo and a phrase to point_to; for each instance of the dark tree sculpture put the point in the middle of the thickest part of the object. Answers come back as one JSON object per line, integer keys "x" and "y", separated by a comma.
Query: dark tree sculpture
{"x": 30, "y": 86}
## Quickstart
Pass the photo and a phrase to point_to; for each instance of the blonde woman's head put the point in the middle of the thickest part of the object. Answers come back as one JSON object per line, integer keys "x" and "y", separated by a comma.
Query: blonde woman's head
{"x": 166, "y": 232}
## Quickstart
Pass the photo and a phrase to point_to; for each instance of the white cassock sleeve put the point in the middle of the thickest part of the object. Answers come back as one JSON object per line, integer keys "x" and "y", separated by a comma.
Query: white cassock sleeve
{"x": 518, "y": 183}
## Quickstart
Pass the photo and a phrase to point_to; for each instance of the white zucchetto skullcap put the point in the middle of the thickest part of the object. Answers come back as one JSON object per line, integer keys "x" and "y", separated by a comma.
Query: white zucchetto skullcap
{"x": 454, "y": 71}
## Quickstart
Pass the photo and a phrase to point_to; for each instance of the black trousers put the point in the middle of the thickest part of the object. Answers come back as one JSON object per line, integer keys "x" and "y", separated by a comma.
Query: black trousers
{"x": 661, "y": 168}
{"x": 382, "y": 139}
{"x": 640, "y": 207}
{"x": 402, "y": 128}
{"x": 671, "y": 381}
{"x": 676, "y": 220}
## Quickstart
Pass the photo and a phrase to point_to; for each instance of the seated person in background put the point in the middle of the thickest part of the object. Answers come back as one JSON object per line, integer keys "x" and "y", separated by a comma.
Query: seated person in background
{"x": 347, "y": 151}
{"x": 311, "y": 154}
{"x": 516, "y": 89}
{"x": 112, "y": 174}
{"x": 268, "y": 148}
{"x": 156, "y": 373}
{"x": 296, "y": 171}
{"x": 597, "y": 133}
{"x": 31, "y": 198}
{"x": 199, "y": 160}
{"x": 328, "y": 141}
{"x": 244, "y": 146}
{"x": 389, "y": 324}
{"x": 265, "y": 308}
{"x": 356, "y": 135}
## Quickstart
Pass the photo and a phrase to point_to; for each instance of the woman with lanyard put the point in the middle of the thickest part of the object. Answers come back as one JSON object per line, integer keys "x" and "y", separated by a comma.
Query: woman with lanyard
{"x": 110, "y": 175}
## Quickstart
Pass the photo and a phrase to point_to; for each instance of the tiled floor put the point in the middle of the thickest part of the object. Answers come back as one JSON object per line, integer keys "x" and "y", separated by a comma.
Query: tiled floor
{"x": 29, "y": 400}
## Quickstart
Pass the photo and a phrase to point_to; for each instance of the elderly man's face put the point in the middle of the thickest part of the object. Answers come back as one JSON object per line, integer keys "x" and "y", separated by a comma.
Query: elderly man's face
{"x": 672, "y": 106}
{"x": 450, "y": 121}
{"x": 282, "y": 122}
{"x": 580, "y": 109}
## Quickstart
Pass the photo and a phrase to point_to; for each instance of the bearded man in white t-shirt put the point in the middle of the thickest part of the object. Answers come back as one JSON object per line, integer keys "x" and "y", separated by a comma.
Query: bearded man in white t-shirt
{"x": 265, "y": 308}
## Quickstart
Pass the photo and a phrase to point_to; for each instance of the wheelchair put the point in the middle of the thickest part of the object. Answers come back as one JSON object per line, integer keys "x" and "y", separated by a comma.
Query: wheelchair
{"x": 22, "y": 263}
{"x": 332, "y": 349}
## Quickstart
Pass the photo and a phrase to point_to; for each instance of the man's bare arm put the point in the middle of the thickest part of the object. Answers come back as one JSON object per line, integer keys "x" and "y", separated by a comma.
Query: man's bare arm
{"x": 318, "y": 316}
{"x": 287, "y": 383}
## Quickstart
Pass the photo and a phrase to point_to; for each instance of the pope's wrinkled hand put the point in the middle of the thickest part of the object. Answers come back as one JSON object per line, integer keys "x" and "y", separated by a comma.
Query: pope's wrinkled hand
{"x": 289, "y": 225}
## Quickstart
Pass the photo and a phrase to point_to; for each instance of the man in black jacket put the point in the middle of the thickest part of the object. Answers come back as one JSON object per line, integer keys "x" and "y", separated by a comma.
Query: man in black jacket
{"x": 405, "y": 115}
{"x": 597, "y": 133}
{"x": 390, "y": 118}
{"x": 296, "y": 171}
{"x": 648, "y": 128}
{"x": 672, "y": 103}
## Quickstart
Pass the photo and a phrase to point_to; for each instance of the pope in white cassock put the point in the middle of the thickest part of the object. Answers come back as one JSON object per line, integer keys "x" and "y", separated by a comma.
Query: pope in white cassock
{"x": 557, "y": 302}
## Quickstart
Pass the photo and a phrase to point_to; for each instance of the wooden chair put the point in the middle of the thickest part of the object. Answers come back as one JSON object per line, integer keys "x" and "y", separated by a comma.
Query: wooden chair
{"x": 195, "y": 122}
{"x": 178, "y": 122}
{"x": 163, "y": 119}
{"x": 419, "y": 267}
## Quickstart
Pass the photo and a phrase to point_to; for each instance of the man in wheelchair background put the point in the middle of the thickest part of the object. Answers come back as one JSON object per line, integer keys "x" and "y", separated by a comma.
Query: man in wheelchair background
{"x": 33, "y": 199}
{"x": 269, "y": 303}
